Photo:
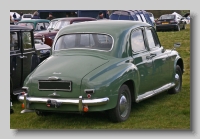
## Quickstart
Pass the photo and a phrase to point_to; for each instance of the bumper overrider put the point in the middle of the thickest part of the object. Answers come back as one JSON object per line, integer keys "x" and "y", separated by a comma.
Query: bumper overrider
{"x": 52, "y": 102}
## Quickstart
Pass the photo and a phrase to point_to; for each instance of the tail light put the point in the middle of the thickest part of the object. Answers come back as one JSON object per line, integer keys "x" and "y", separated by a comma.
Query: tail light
{"x": 158, "y": 22}
{"x": 173, "y": 22}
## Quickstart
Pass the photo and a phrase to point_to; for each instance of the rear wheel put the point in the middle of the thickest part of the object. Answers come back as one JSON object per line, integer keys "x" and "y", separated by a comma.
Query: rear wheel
{"x": 178, "y": 81}
{"x": 122, "y": 111}
{"x": 41, "y": 113}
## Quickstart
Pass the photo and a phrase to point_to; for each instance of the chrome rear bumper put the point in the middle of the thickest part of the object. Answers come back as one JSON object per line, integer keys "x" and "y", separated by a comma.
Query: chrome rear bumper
{"x": 80, "y": 102}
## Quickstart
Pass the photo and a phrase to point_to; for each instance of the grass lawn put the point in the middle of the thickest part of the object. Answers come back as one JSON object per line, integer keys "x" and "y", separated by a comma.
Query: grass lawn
{"x": 163, "y": 111}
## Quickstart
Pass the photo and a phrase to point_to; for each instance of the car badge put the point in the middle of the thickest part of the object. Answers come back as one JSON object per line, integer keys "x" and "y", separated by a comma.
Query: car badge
{"x": 56, "y": 73}
{"x": 54, "y": 94}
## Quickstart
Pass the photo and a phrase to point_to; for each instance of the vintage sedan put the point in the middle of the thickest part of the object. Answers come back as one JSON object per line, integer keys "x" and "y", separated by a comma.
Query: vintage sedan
{"x": 25, "y": 55}
{"x": 48, "y": 36}
{"x": 102, "y": 65}
{"x": 36, "y": 24}
{"x": 170, "y": 22}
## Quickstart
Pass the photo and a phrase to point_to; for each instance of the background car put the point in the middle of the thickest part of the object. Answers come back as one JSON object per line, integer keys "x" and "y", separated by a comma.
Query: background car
{"x": 24, "y": 56}
{"x": 47, "y": 36}
{"x": 151, "y": 16}
{"x": 170, "y": 22}
{"x": 135, "y": 15}
{"x": 102, "y": 66}
{"x": 35, "y": 24}
{"x": 26, "y": 16}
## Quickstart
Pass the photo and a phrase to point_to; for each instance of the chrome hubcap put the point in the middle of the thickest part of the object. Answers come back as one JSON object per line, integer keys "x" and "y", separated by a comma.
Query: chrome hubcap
{"x": 123, "y": 106}
{"x": 177, "y": 82}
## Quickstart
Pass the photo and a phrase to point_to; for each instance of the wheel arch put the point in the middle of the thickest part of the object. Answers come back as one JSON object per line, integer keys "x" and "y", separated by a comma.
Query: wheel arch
{"x": 180, "y": 63}
{"x": 131, "y": 86}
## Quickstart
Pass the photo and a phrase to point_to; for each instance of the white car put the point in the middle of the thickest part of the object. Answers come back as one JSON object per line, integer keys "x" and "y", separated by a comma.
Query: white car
{"x": 26, "y": 16}
{"x": 151, "y": 16}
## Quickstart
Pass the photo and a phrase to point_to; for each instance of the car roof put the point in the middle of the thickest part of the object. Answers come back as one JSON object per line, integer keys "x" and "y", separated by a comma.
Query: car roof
{"x": 34, "y": 21}
{"x": 103, "y": 26}
{"x": 120, "y": 31}
{"x": 16, "y": 27}
{"x": 75, "y": 18}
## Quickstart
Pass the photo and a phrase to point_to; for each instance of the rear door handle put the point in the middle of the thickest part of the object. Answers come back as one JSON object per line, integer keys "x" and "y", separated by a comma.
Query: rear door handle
{"x": 151, "y": 56}
{"x": 22, "y": 57}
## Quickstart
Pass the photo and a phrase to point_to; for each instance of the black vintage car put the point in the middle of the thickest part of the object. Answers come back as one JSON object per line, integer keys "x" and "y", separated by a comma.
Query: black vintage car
{"x": 25, "y": 55}
{"x": 170, "y": 22}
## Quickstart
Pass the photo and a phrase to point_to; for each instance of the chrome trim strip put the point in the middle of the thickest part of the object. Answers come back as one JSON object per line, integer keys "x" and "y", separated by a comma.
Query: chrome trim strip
{"x": 70, "y": 86}
{"x": 83, "y": 48}
{"x": 80, "y": 102}
{"x": 154, "y": 92}
{"x": 54, "y": 78}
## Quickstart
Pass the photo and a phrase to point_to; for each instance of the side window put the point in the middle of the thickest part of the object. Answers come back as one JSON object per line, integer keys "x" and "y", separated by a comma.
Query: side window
{"x": 139, "y": 18}
{"x": 46, "y": 25}
{"x": 14, "y": 44}
{"x": 137, "y": 41}
{"x": 143, "y": 18}
{"x": 26, "y": 40}
{"x": 152, "y": 41}
{"x": 40, "y": 26}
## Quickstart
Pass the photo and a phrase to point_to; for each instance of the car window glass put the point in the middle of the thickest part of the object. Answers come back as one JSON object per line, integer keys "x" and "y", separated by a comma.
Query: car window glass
{"x": 150, "y": 38}
{"x": 139, "y": 18}
{"x": 168, "y": 16}
{"x": 26, "y": 40}
{"x": 61, "y": 24}
{"x": 87, "y": 40}
{"x": 137, "y": 41}
{"x": 143, "y": 18}
{"x": 84, "y": 41}
{"x": 46, "y": 25}
{"x": 14, "y": 44}
{"x": 40, "y": 26}
{"x": 52, "y": 24}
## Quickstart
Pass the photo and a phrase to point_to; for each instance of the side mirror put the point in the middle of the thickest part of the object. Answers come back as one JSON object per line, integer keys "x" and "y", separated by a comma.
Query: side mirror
{"x": 178, "y": 44}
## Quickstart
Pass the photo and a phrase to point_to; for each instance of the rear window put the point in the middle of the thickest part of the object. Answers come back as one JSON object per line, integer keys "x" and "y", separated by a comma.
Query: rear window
{"x": 169, "y": 16}
{"x": 84, "y": 41}
{"x": 27, "y": 16}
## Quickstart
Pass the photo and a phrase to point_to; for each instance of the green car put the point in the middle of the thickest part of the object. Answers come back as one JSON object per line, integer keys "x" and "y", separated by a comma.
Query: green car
{"x": 102, "y": 65}
{"x": 35, "y": 24}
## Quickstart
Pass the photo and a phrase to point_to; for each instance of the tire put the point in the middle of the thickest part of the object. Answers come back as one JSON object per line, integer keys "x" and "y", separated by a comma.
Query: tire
{"x": 41, "y": 113}
{"x": 178, "y": 28}
{"x": 123, "y": 108}
{"x": 178, "y": 81}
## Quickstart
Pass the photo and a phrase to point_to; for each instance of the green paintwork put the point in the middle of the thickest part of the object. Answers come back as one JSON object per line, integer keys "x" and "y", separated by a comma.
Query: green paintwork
{"x": 35, "y": 21}
{"x": 104, "y": 71}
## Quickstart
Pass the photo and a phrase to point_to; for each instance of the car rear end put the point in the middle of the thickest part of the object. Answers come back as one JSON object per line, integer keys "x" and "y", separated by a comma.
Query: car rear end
{"x": 167, "y": 22}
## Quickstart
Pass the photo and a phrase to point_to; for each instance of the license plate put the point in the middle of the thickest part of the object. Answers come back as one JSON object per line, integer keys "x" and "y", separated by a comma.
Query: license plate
{"x": 165, "y": 23}
{"x": 55, "y": 85}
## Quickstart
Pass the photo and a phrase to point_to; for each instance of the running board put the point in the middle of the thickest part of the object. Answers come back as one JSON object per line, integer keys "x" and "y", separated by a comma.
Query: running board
{"x": 154, "y": 92}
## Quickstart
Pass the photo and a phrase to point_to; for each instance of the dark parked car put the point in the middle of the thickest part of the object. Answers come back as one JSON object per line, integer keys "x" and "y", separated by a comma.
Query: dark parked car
{"x": 102, "y": 65}
{"x": 24, "y": 56}
{"x": 170, "y": 22}
{"x": 47, "y": 37}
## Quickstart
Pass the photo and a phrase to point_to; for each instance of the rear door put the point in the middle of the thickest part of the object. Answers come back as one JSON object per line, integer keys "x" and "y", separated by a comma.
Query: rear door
{"x": 29, "y": 57}
{"x": 142, "y": 60}
{"x": 161, "y": 74}
{"x": 15, "y": 60}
